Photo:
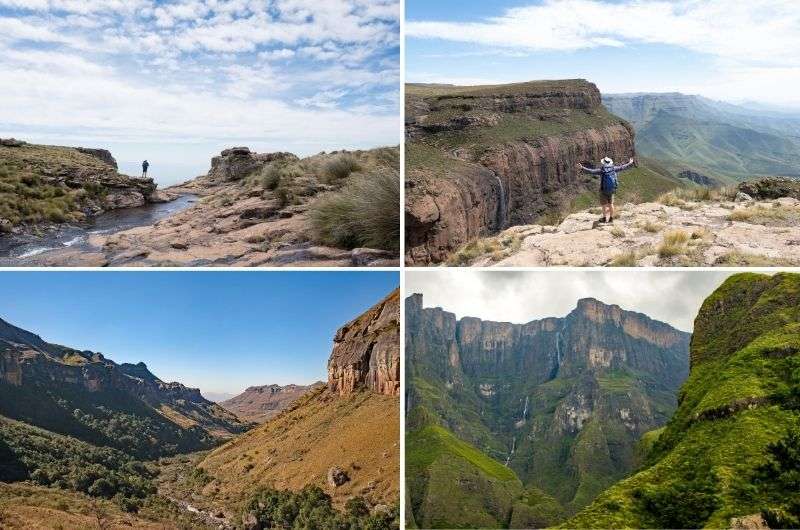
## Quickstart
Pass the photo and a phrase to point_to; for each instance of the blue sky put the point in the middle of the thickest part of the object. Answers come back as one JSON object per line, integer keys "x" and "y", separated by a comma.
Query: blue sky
{"x": 726, "y": 50}
{"x": 176, "y": 81}
{"x": 219, "y": 331}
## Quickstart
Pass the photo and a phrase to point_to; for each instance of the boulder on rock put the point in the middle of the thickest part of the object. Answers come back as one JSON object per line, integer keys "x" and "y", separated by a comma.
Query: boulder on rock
{"x": 337, "y": 476}
{"x": 237, "y": 163}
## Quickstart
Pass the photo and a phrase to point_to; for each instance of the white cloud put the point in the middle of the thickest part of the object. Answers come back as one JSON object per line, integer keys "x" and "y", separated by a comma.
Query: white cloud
{"x": 762, "y": 30}
{"x": 227, "y": 71}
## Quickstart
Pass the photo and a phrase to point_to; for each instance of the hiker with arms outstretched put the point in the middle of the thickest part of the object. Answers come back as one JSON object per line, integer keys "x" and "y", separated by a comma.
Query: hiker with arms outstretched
{"x": 145, "y": 165}
{"x": 608, "y": 184}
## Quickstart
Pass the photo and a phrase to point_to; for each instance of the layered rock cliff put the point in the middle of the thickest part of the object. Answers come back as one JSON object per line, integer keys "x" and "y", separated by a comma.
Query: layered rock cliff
{"x": 45, "y": 384}
{"x": 366, "y": 351}
{"x": 480, "y": 159}
{"x": 561, "y": 401}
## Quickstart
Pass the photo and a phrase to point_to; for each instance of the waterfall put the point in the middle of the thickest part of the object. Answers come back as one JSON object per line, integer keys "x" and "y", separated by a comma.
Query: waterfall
{"x": 525, "y": 411}
{"x": 513, "y": 449}
{"x": 501, "y": 204}
{"x": 558, "y": 347}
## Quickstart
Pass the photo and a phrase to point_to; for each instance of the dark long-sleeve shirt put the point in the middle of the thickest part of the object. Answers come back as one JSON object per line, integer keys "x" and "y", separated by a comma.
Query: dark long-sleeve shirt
{"x": 597, "y": 171}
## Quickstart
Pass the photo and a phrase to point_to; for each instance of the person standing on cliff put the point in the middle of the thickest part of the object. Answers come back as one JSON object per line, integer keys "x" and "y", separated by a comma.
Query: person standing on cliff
{"x": 608, "y": 184}
{"x": 145, "y": 165}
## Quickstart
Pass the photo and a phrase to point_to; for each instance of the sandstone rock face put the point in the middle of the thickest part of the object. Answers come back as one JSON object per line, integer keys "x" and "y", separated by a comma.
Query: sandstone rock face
{"x": 260, "y": 403}
{"x": 366, "y": 351}
{"x": 492, "y": 157}
{"x": 101, "y": 154}
{"x": 697, "y": 178}
{"x": 550, "y": 396}
{"x": 719, "y": 233}
{"x": 239, "y": 162}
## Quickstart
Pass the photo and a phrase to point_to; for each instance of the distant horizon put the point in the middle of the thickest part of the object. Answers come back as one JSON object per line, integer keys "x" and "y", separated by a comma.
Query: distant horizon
{"x": 260, "y": 328}
{"x": 699, "y": 47}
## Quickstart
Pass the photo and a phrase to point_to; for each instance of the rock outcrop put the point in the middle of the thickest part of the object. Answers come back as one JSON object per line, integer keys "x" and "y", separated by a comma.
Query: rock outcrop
{"x": 260, "y": 403}
{"x": 100, "y": 154}
{"x": 366, "y": 351}
{"x": 770, "y": 188}
{"x": 480, "y": 159}
{"x": 69, "y": 184}
{"x": 237, "y": 163}
{"x": 718, "y": 232}
{"x": 561, "y": 401}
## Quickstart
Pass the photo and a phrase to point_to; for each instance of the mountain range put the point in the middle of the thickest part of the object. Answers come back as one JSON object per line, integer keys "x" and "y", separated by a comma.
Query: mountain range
{"x": 260, "y": 403}
{"x": 711, "y": 142}
{"x": 83, "y": 394}
{"x": 521, "y": 425}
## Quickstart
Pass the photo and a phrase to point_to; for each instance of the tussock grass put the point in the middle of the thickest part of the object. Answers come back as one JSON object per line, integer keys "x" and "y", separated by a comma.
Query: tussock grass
{"x": 618, "y": 232}
{"x": 673, "y": 243}
{"x": 364, "y": 213}
{"x": 340, "y": 167}
{"x": 626, "y": 259}
{"x": 736, "y": 258}
{"x": 496, "y": 248}
{"x": 652, "y": 227}
{"x": 774, "y": 215}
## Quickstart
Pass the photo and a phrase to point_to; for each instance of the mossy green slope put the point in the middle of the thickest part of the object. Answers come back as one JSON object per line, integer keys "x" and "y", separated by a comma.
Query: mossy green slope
{"x": 435, "y": 461}
{"x": 736, "y": 410}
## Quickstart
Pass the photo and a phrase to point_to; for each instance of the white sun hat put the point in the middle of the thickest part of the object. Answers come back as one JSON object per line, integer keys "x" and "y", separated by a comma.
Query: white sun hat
{"x": 607, "y": 161}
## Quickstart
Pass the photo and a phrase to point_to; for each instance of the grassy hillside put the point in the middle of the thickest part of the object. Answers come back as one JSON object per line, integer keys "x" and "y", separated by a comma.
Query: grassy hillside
{"x": 721, "y": 141}
{"x": 358, "y": 433}
{"x": 435, "y": 460}
{"x": 730, "y": 450}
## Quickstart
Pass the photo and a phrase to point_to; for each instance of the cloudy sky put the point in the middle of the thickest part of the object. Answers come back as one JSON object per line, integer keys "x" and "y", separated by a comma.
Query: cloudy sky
{"x": 723, "y": 49}
{"x": 507, "y": 296}
{"x": 175, "y": 81}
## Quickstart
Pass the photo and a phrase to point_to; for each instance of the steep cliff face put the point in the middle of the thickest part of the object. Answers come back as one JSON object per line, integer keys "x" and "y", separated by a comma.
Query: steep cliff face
{"x": 480, "y": 159}
{"x": 561, "y": 401}
{"x": 730, "y": 449}
{"x": 366, "y": 351}
{"x": 81, "y": 393}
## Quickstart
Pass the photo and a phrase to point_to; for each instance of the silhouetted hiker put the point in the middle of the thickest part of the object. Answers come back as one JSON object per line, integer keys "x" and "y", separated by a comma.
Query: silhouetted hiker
{"x": 608, "y": 184}
{"x": 145, "y": 165}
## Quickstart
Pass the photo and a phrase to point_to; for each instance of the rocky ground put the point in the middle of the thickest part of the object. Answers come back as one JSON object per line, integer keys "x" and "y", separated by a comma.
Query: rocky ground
{"x": 239, "y": 220}
{"x": 676, "y": 231}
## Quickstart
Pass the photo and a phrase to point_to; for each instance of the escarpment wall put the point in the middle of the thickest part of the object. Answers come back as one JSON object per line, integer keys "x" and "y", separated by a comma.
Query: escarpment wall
{"x": 366, "y": 351}
{"x": 507, "y": 182}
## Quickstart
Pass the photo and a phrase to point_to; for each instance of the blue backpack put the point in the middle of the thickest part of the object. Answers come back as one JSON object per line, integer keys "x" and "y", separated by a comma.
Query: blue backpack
{"x": 608, "y": 180}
